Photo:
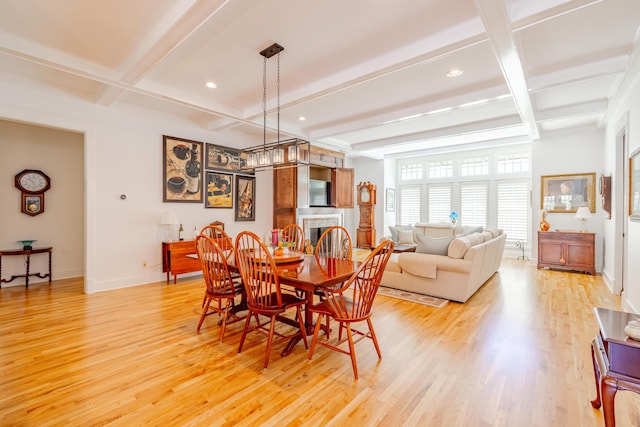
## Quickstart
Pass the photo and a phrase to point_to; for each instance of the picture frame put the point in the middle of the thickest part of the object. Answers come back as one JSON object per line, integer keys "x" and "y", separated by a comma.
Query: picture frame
{"x": 222, "y": 158}
{"x": 245, "y": 196}
{"x": 390, "y": 205}
{"x": 634, "y": 186}
{"x": 219, "y": 190}
{"x": 181, "y": 158}
{"x": 566, "y": 193}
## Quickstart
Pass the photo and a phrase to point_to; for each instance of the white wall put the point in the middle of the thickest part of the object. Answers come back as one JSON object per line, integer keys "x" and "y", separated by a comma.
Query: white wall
{"x": 568, "y": 153}
{"x": 626, "y": 114}
{"x": 123, "y": 155}
{"x": 59, "y": 154}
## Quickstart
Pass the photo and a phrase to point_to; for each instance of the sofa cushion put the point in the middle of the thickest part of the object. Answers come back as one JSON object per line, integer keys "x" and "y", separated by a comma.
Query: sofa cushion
{"x": 433, "y": 245}
{"x": 417, "y": 264}
{"x": 405, "y": 237}
{"x": 461, "y": 244}
{"x": 486, "y": 236}
{"x": 494, "y": 231}
{"x": 467, "y": 229}
{"x": 394, "y": 231}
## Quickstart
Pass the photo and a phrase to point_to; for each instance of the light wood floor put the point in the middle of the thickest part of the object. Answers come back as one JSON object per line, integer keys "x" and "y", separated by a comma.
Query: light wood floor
{"x": 516, "y": 354}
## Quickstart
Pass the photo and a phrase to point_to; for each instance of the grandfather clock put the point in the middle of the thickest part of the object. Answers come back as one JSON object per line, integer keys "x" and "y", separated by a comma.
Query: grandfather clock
{"x": 366, "y": 233}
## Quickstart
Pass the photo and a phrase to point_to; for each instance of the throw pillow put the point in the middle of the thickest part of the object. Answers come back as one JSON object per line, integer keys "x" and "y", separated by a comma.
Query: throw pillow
{"x": 467, "y": 229}
{"x": 394, "y": 231}
{"x": 433, "y": 245}
{"x": 405, "y": 237}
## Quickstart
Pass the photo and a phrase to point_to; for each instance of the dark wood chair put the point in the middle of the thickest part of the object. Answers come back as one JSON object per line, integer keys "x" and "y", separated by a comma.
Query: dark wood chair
{"x": 221, "y": 286}
{"x": 264, "y": 296}
{"x": 222, "y": 239}
{"x": 352, "y": 303}
{"x": 335, "y": 242}
{"x": 293, "y": 233}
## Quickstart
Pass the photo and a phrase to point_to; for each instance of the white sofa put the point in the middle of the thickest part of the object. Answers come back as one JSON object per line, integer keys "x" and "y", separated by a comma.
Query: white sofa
{"x": 470, "y": 261}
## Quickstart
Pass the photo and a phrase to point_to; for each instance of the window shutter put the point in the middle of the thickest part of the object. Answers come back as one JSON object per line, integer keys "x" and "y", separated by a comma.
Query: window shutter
{"x": 473, "y": 204}
{"x": 439, "y": 201}
{"x": 409, "y": 204}
{"x": 513, "y": 209}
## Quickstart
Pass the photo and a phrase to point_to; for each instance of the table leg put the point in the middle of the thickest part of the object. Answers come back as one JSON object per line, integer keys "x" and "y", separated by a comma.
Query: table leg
{"x": 26, "y": 278}
{"x": 50, "y": 266}
{"x": 609, "y": 388}
{"x": 596, "y": 373}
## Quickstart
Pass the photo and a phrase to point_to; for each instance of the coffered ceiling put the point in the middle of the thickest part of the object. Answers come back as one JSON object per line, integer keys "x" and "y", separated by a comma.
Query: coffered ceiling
{"x": 369, "y": 76}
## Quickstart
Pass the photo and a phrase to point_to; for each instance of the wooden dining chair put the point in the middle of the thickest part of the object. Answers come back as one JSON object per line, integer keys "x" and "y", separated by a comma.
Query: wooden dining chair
{"x": 335, "y": 242}
{"x": 221, "y": 287}
{"x": 352, "y": 303}
{"x": 264, "y": 296}
{"x": 293, "y": 233}
{"x": 222, "y": 239}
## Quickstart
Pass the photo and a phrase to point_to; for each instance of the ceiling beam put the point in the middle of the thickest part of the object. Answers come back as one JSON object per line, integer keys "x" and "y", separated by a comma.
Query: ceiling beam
{"x": 496, "y": 21}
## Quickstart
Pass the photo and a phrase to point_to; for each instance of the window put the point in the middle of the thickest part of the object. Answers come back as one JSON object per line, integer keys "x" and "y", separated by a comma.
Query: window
{"x": 513, "y": 208}
{"x": 512, "y": 163}
{"x": 474, "y": 166}
{"x": 411, "y": 171}
{"x": 439, "y": 203}
{"x": 409, "y": 204}
{"x": 473, "y": 204}
{"x": 440, "y": 169}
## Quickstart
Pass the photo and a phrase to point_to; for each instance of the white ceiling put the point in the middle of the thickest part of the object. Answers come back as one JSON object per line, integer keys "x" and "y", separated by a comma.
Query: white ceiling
{"x": 368, "y": 75}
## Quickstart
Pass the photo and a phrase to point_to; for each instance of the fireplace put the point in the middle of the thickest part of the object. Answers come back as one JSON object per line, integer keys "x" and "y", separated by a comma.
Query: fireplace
{"x": 314, "y": 225}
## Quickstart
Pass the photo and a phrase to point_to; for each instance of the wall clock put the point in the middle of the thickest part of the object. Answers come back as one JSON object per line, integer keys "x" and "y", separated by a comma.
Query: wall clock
{"x": 32, "y": 184}
{"x": 366, "y": 232}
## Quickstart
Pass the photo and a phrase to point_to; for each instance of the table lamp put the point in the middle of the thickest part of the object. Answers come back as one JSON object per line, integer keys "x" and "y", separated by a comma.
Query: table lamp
{"x": 583, "y": 213}
{"x": 168, "y": 219}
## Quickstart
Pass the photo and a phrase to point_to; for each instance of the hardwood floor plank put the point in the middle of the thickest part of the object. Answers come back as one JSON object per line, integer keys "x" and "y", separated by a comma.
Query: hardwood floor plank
{"x": 517, "y": 353}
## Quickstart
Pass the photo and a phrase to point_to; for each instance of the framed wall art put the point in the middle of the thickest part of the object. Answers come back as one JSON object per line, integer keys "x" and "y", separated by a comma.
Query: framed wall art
{"x": 245, "y": 195}
{"x": 182, "y": 170}
{"x": 566, "y": 193}
{"x": 390, "y": 205}
{"x": 219, "y": 190}
{"x": 634, "y": 186}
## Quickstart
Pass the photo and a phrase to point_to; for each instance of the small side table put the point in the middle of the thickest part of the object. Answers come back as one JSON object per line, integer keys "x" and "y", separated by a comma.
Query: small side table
{"x": 27, "y": 254}
{"x": 616, "y": 361}
{"x": 404, "y": 248}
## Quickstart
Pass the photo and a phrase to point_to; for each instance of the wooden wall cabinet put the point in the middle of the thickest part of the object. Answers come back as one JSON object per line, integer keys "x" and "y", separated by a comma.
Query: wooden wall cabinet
{"x": 567, "y": 250}
{"x": 175, "y": 260}
{"x": 342, "y": 188}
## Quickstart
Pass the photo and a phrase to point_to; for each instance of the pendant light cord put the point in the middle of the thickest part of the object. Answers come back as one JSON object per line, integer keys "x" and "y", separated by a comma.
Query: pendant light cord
{"x": 264, "y": 103}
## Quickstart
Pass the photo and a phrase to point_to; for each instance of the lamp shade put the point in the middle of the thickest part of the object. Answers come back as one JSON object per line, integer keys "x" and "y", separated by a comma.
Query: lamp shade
{"x": 583, "y": 212}
{"x": 168, "y": 218}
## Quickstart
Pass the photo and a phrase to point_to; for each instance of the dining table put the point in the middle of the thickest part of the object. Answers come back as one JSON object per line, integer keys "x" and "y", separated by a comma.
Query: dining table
{"x": 307, "y": 274}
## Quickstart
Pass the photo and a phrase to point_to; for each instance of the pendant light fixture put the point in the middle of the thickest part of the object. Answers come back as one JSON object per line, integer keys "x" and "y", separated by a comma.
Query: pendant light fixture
{"x": 282, "y": 153}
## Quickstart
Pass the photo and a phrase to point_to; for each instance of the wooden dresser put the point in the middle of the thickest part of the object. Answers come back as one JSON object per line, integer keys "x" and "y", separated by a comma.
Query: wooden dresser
{"x": 567, "y": 250}
{"x": 175, "y": 260}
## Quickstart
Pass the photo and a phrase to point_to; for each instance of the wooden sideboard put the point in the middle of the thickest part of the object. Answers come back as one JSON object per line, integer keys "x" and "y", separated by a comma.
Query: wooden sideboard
{"x": 567, "y": 250}
{"x": 175, "y": 260}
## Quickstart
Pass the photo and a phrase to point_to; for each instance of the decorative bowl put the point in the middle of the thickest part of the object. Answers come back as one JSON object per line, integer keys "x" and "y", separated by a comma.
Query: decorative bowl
{"x": 633, "y": 329}
{"x": 26, "y": 244}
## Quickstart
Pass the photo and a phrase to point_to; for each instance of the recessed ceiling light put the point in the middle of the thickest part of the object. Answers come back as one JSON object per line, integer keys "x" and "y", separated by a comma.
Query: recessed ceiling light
{"x": 454, "y": 72}
{"x": 211, "y": 85}
{"x": 302, "y": 118}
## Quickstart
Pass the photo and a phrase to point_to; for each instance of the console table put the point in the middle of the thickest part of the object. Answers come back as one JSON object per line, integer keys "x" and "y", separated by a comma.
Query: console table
{"x": 27, "y": 254}
{"x": 175, "y": 259}
{"x": 616, "y": 360}
{"x": 567, "y": 250}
